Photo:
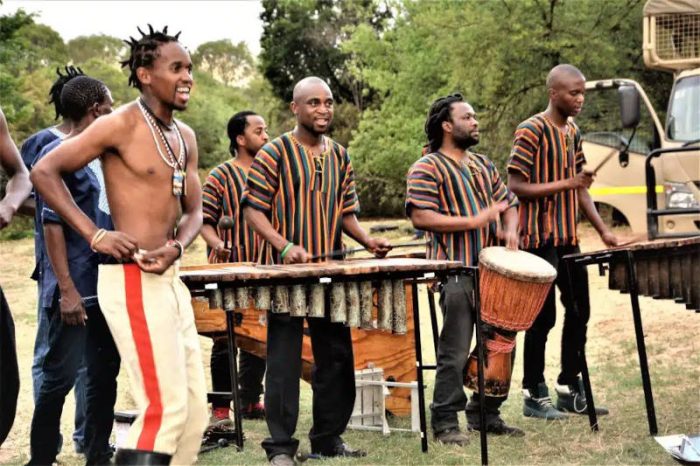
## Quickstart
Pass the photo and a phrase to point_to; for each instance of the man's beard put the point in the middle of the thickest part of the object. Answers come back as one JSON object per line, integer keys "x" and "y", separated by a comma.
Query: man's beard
{"x": 465, "y": 142}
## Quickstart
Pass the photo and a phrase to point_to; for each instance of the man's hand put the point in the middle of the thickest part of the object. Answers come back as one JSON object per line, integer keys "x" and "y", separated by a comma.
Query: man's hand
{"x": 583, "y": 179}
{"x": 491, "y": 214}
{"x": 158, "y": 260}
{"x": 71, "y": 306}
{"x": 221, "y": 253}
{"x": 609, "y": 239}
{"x": 296, "y": 255}
{"x": 510, "y": 238}
{"x": 380, "y": 247}
{"x": 6, "y": 214}
{"x": 118, "y": 245}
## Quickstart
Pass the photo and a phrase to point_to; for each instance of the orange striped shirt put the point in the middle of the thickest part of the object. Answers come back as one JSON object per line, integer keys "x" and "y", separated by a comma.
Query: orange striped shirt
{"x": 436, "y": 182}
{"x": 305, "y": 197}
{"x": 543, "y": 153}
{"x": 221, "y": 196}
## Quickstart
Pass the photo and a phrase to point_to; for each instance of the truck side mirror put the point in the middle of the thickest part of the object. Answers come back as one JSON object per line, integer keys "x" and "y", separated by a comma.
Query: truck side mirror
{"x": 629, "y": 106}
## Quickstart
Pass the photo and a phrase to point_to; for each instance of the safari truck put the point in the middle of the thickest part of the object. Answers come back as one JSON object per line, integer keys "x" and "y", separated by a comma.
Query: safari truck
{"x": 648, "y": 173}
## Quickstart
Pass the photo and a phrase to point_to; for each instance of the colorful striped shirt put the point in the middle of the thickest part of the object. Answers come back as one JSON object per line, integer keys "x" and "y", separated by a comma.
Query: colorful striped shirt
{"x": 543, "y": 153}
{"x": 305, "y": 197}
{"x": 221, "y": 196}
{"x": 437, "y": 182}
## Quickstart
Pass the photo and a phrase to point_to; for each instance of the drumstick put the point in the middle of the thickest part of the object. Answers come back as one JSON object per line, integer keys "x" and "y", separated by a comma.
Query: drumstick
{"x": 338, "y": 252}
{"x": 605, "y": 160}
{"x": 225, "y": 224}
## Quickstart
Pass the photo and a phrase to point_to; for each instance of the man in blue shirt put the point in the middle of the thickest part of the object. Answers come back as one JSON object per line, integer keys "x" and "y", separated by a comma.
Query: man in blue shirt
{"x": 29, "y": 152}
{"x": 68, "y": 295}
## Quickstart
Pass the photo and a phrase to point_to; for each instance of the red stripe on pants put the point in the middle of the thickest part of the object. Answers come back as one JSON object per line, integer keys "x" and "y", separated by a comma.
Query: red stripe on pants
{"x": 144, "y": 350}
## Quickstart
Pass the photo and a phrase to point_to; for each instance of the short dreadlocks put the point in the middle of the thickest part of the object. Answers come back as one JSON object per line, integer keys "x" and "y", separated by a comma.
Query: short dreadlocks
{"x": 145, "y": 51}
{"x": 57, "y": 87}
{"x": 439, "y": 112}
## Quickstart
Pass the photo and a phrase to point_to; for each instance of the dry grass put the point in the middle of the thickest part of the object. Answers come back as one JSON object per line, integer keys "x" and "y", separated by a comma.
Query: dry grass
{"x": 673, "y": 347}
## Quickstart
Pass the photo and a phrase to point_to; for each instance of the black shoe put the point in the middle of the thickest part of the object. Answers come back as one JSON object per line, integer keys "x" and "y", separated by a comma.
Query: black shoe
{"x": 498, "y": 427}
{"x": 452, "y": 436}
{"x": 572, "y": 399}
{"x": 129, "y": 457}
{"x": 341, "y": 450}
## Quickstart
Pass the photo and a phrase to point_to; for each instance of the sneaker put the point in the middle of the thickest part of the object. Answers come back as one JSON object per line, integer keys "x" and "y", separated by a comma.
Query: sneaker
{"x": 498, "y": 427}
{"x": 452, "y": 436}
{"x": 539, "y": 405}
{"x": 572, "y": 399}
{"x": 220, "y": 419}
{"x": 341, "y": 450}
{"x": 282, "y": 460}
{"x": 254, "y": 411}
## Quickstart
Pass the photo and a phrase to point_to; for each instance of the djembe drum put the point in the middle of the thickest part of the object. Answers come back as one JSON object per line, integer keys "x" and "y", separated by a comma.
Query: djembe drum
{"x": 513, "y": 286}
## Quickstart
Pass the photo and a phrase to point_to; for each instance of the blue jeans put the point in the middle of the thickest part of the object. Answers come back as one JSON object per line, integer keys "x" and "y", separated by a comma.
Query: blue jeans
{"x": 41, "y": 347}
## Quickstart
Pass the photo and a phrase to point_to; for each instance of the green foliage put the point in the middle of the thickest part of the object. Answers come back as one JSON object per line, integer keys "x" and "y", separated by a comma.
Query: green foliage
{"x": 228, "y": 63}
{"x": 302, "y": 37}
{"x": 497, "y": 54}
{"x": 105, "y": 48}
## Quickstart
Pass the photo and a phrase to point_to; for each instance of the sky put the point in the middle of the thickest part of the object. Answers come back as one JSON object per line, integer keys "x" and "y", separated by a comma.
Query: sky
{"x": 200, "y": 21}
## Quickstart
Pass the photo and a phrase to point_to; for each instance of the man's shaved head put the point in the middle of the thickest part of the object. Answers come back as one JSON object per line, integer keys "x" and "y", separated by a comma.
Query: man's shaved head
{"x": 561, "y": 72}
{"x": 302, "y": 88}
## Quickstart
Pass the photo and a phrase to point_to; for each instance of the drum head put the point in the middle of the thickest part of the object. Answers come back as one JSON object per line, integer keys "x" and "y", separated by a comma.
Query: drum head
{"x": 519, "y": 265}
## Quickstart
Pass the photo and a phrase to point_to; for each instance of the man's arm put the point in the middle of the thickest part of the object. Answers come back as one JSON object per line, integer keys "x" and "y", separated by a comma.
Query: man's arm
{"x": 588, "y": 208}
{"x": 510, "y": 227}
{"x": 377, "y": 246}
{"x": 71, "y": 305}
{"x": 526, "y": 190}
{"x": 261, "y": 224}
{"x": 18, "y": 187}
{"x": 69, "y": 156}
{"x": 430, "y": 220}
{"x": 158, "y": 260}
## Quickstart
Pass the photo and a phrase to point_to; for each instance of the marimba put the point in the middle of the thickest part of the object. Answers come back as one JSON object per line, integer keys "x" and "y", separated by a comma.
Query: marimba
{"x": 377, "y": 296}
{"x": 662, "y": 269}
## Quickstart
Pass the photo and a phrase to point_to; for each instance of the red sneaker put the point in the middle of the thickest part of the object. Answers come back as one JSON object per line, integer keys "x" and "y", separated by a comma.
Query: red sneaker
{"x": 220, "y": 419}
{"x": 254, "y": 411}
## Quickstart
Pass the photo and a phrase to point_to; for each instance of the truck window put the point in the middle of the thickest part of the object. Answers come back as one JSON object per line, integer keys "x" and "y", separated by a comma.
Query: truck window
{"x": 600, "y": 122}
{"x": 684, "y": 112}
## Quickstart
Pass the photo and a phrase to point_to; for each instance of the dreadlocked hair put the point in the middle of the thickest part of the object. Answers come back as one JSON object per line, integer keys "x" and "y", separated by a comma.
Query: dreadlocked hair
{"x": 57, "y": 87}
{"x": 80, "y": 94}
{"x": 145, "y": 51}
{"x": 439, "y": 112}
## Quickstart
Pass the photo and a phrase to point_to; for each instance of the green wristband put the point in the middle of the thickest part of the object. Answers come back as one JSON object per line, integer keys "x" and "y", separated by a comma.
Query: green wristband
{"x": 286, "y": 249}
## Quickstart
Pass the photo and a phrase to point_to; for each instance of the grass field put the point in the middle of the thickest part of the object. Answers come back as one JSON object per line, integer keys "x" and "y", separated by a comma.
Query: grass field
{"x": 673, "y": 345}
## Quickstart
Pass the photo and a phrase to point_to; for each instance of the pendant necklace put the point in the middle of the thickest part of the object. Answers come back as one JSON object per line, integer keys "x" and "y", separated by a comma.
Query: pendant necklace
{"x": 176, "y": 163}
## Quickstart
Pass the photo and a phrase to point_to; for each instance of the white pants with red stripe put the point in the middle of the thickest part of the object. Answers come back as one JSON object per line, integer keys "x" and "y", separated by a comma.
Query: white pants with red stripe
{"x": 152, "y": 322}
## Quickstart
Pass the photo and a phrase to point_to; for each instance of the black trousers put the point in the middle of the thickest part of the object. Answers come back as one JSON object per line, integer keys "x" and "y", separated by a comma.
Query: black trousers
{"x": 251, "y": 370}
{"x": 67, "y": 347}
{"x": 575, "y": 320}
{"x": 333, "y": 383}
{"x": 9, "y": 373}
{"x": 449, "y": 399}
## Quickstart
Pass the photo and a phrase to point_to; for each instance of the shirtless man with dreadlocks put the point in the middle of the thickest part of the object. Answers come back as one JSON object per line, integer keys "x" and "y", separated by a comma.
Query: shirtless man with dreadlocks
{"x": 150, "y": 168}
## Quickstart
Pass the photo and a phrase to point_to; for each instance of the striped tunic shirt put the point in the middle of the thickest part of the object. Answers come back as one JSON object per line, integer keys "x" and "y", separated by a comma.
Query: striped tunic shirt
{"x": 437, "y": 182}
{"x": 304, "y": 197}
{"x": 221, "y": 196}
{"x": 543, "y": 153}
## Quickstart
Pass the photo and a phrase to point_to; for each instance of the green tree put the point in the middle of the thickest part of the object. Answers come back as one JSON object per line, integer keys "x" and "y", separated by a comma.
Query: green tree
{"x": 105, "y": 48}
{"x": 227, "y": 62}
{"x": 497, "y": 54}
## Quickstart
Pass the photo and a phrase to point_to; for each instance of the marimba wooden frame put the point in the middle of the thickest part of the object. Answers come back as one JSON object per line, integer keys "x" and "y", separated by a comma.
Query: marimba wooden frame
{"x": 414, "y": 278}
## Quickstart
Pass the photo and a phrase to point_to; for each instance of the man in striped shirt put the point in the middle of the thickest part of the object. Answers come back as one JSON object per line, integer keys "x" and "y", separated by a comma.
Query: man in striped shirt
{"x": 300, "y": 197}
{"x": 456, "y": 196}
{"x": 545, "y": 171}
{"x": 221, "y": 196}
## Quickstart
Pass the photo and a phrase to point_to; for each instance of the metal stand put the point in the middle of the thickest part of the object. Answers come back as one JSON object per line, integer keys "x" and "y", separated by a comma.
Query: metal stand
{"x": 606, "y": 257}
{"x": 420, "y": 368}
{"x": 233, "y": 369}
{"x": 480, "y": 369}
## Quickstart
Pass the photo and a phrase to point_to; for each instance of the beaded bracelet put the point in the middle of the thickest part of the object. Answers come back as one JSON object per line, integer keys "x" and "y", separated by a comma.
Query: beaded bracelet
{"x": 286, "y": 249}
{"x": 97, "y": 237}
{"x": 176, "y": 244}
